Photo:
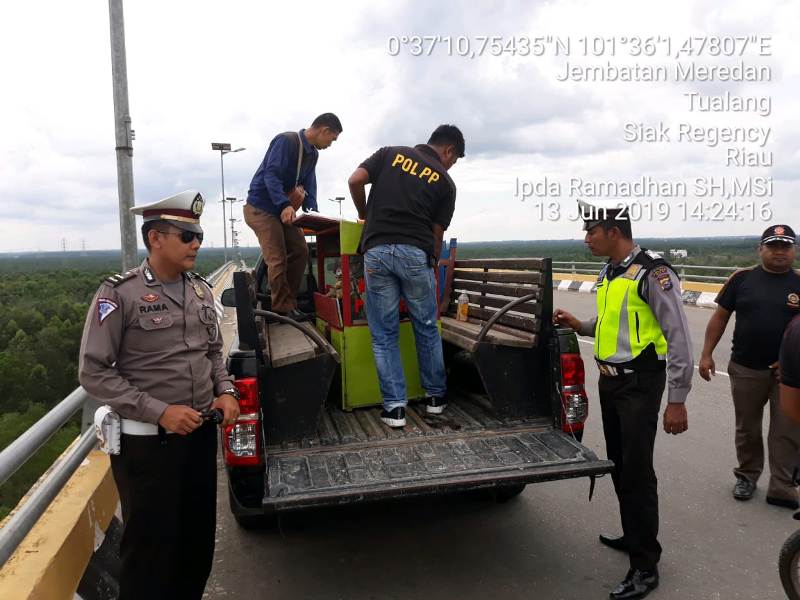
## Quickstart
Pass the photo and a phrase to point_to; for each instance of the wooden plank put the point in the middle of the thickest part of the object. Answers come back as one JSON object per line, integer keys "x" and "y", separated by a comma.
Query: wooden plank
{"x": 528, "y": 337}
{"x": 512, "y": 291}
{"x": 525, "y": 264}
{"x": 531, "y": 306}
{"x": 525, "y": 323}
{"x": 288, "y": 345}
{"x": 471, "y": 331}
{"x": 458, "y": 340}
{"x": 499, "y": 276}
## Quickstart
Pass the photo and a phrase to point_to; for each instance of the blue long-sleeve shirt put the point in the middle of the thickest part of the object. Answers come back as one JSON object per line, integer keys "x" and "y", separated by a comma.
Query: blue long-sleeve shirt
{"x": 276, "y": 175}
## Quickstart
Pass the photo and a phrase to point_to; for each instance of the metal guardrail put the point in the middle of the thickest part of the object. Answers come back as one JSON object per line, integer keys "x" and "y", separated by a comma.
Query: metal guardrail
{"x": 594, "y": 267}
{"x": 16, "y": 454}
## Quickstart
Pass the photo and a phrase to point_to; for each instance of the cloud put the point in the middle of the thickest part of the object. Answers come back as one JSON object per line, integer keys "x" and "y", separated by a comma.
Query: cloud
{"x": 242, "y": 72}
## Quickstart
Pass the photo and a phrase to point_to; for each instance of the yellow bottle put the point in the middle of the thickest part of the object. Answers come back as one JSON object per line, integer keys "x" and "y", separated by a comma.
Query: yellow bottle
{"x": 462, "y": 311}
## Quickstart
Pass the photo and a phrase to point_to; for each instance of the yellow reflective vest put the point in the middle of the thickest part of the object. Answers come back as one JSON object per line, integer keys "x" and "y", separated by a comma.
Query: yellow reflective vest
{"x": 625, "y": 323}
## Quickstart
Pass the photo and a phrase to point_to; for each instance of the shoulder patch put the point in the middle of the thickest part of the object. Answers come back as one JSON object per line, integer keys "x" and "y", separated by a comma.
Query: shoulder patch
{"x": 119, "y": 278}
{"x": 661, "y": 274}
{"x": 105, "y": 307}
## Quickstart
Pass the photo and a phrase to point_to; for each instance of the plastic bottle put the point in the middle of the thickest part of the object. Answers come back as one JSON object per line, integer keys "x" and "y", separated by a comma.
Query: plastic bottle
{"x": 462, "y": 307}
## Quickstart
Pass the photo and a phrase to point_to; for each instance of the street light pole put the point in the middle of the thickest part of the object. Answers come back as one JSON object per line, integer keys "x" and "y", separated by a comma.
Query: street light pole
{"x": 224, "y": 148}
{"x": 233, "y": 219}
{"x": 338, "y": 200}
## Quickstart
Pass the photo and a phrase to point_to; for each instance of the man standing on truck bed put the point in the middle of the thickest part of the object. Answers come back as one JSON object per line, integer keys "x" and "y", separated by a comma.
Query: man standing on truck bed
{"x": 411, "y": 203}
{"x": 152, "y": 351}
{"x": 765, "y": 299}
{"x": 285, "y": 181}
{"x": 639, "y": 330}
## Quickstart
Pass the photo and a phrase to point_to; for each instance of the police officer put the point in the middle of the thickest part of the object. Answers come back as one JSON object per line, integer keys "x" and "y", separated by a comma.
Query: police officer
{"x": 151, "y": 350}
{"x": 641, "y": 340}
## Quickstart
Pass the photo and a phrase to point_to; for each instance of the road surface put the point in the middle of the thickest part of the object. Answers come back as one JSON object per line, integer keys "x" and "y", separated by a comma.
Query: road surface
{"x": 544, "y": 543}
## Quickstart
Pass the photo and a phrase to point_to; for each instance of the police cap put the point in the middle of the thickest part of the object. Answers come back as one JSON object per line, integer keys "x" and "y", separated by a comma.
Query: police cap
{"x": 778, "y": 233}
{"x": 181, "y": 210}
{"x": 601, "y": 211}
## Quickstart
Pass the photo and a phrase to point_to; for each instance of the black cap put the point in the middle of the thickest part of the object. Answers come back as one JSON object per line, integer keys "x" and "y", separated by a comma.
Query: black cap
{"x": 778, "y": 233}
{"x": 594, "y": 214}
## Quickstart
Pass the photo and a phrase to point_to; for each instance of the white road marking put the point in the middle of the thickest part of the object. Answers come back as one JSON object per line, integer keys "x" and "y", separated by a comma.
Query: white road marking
{"x": 582, "y": 341}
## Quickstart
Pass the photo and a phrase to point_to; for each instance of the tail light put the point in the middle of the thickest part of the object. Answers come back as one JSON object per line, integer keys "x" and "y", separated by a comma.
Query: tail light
{"x": 242, "y": 440}
{"x": 574, "y": 402}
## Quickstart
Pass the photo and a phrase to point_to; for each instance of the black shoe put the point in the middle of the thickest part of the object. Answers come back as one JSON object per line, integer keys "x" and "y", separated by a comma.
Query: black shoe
{"x": 435, "y": 405}
{"x": 395, "y": 417}
{"x": 617, "y": 543}
{"x": 782, "y": 502}
{"x": 637, "y": 584}
{"x": 744, "y": 489}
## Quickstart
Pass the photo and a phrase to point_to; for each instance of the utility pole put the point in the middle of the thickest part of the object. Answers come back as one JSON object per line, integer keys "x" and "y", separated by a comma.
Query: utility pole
{"x": 232, "y": 218}
{"x": 224, "y": 148}
{"x": 124, "y": 136}
{"x": 338, "y": 200}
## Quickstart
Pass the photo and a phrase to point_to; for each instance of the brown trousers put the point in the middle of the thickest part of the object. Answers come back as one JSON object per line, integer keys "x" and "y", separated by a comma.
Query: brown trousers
{"x": 751, "y": 390}
{"x": 285, "y": 252}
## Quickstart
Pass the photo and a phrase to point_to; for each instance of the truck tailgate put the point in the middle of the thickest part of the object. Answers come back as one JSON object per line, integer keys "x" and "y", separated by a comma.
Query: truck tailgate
{"x": 317, "y": 476}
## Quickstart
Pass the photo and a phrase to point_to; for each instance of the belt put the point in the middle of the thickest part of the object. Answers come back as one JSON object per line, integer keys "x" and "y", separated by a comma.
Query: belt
{"x": 612, "y": 371}
{"x": 131, "y": 427}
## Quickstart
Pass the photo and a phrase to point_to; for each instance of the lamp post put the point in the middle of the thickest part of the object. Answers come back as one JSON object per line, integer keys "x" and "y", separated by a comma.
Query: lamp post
{"x": 338, "y": 200}
{"x": 232, "y": 218}
{"x": 224, "y": 148}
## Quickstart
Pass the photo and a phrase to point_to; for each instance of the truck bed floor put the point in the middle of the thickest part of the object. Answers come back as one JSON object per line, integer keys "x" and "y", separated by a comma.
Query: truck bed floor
{"x": 464, "y": 413}
{"x": 355, "y": 457}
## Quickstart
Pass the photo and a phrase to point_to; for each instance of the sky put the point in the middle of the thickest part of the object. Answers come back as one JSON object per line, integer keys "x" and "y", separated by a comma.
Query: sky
{"x": 243, "y": 71}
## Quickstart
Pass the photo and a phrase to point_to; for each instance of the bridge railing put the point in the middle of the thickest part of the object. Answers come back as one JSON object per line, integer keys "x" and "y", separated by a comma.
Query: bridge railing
{"x": 687, "y": 272}
{"x": 16, "y": 454}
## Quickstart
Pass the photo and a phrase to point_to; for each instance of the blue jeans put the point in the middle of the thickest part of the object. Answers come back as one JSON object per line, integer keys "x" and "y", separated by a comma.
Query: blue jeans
{"x": 392, "y": 271}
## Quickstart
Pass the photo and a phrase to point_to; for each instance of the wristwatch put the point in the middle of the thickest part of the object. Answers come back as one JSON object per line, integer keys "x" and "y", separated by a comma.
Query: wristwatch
{"x": 233, "y": 392}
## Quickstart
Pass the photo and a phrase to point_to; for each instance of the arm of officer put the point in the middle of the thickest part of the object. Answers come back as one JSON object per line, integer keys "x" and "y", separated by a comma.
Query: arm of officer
{"x": 438, "y": 236}
{"x": 97, "y": 373}
{"x": 357, "y": 182}
{"x": 277, "y": 163}
{"x": 661, "y": 290}
{"x": 588, "y": 327}
{"x": 714, "y": 330}
{"x": 562, "y": 317}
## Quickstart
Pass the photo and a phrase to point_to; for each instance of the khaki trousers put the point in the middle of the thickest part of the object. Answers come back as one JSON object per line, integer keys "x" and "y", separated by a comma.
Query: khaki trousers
{"x": 751, "y": 390}
{"x": 285, "y": 253}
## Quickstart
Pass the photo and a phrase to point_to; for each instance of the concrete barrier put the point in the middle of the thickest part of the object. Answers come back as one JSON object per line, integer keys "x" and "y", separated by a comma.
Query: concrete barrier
{"x": 692, "y": 292}
{"x": 52, "y": 559}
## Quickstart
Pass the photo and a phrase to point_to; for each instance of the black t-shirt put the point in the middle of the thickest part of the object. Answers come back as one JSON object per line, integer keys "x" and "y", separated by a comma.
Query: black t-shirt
{"x": 411, "y": 191}
{"x": 764, "y": 303}
{"x": 790, "y": 355}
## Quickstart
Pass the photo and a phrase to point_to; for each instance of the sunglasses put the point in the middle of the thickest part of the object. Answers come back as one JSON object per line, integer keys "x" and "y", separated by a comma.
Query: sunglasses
{"x": 187, "y": 237}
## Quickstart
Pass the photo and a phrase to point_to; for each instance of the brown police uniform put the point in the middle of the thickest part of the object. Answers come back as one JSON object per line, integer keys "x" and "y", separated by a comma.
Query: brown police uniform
{"x": 146, "y": 346}
{"x": 166, "y": 351}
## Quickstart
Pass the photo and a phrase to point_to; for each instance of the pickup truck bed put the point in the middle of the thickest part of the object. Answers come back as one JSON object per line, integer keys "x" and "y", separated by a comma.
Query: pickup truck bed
{"x": 515, "y": 410}
{"x": 355, "y": 457}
